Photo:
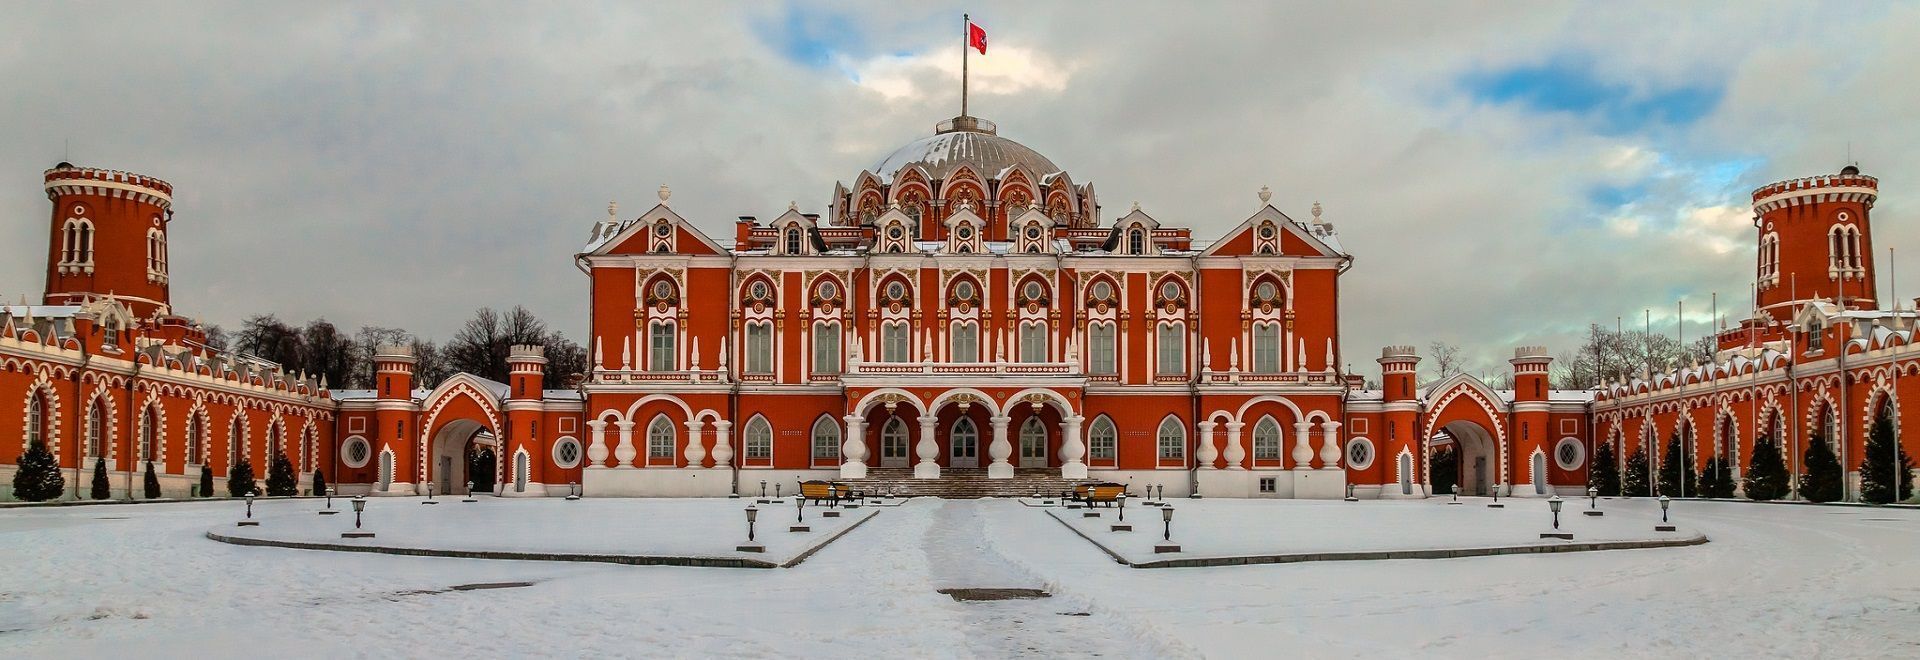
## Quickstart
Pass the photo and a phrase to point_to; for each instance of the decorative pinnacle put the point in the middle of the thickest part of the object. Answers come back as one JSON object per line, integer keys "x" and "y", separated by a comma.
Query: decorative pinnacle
{"x": 1136, "y": 205}
{"x": 1316, "y": 211}
{"x": 793, "y": 206}
{"x": 665, "y": 192}
{"x": 1265, "y": 194}
{"x": 613, "y": 210}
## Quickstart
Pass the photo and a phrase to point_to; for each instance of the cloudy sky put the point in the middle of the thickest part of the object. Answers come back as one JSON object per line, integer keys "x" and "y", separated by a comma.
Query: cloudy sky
{"x": 1504, "y": 173}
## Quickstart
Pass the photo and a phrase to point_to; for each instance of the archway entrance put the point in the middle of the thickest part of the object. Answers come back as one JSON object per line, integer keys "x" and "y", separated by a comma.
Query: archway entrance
{"x": 1474, "y": 456}
{"x": 458, "y": 448}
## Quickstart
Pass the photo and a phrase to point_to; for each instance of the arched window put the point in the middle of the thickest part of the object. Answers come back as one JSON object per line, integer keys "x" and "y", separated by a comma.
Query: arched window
{"x": 1266, "y": 348}
{"x": 1033, "y": 342}
{"x": 826, "y": 348}
{"x": 236, "y": 440}
{"x": 893, "y": 440}
{"x": 96, "y": 429}
{"x": 36, "y": 418}
{"x": 760, "y": 347}
{"x": 1266, "y": 440}
{"x": 70, "y": 246}
{"x": 1172, "y": 439}
{"x": 149, "y": 427}
{"x": 965, "y": 438}
{"x": 894, "y": 340}
{"x": 660, "y": 439}
{"x": 196, "y": 432}
{"x": 759, "y": 438}
{"x": 826, "y": 439}
{"x": 1172, "y": 346}
{"x": 274, "y": 446}
{"x": 1102, "y": 439}
{"x": 1033, "y": 442}
{"x": 1100, "y": 348}
{"x": 793, "y": 240}
{"x": 662, "y": 346}
{"x": 1137, "y": 241}
{"x": 965, "y": 342}
{"x": 1829, "y": 426}
{"x": 86, "y": 242}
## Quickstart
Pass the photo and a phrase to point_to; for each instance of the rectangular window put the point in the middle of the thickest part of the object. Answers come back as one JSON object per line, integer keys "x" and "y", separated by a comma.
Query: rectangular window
{"x": 894, "y": 339}
{"x": 760, "y": 348}
{"x": 1100, "y": 349}
{"x": 1173, "y": 354}
{"x": 826, "y": 349}
{"x": 1269, "y": 485}
{"x": 1033, "y": 342}
{"x": 661, "y": 352}
{"x": 1266, "y": 348}
{"x": 965, "y": 342}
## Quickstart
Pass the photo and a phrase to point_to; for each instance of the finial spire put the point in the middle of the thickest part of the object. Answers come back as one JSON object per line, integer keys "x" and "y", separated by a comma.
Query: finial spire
{"x": 1316, "y": 211}
{"x": 665, "y": 192}
{"x": 1265, "y": 194}
{"x": 613, "y": 210}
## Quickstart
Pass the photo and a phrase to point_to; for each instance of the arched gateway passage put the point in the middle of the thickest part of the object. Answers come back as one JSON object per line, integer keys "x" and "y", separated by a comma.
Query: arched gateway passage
{"x": 1469, "y": 450}
{"x": 463, "y": 450}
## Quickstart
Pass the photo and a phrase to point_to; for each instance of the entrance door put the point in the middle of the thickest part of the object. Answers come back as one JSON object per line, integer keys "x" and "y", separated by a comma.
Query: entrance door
{"x": 446, "y": 475}
{"x": 1033, "y": 444}
{"x": 893, "y": 444}
{"x": 1480, "y": 475}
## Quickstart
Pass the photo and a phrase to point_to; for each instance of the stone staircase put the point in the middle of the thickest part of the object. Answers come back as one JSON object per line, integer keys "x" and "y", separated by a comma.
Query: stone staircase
{"x": 965, "y": 483}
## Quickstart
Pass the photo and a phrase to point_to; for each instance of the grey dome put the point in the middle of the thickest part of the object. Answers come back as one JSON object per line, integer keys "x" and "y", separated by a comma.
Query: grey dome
{"x": 964, "y": 141}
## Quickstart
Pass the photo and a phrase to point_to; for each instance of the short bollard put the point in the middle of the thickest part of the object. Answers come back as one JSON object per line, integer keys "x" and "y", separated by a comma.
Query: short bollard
{"x": 1663, "y": 526}
{"x": 1166, "y": 543}
{"x": 799, "y": 516}
{"x": 329, "y": 510}
{"x": 1122, "y": 525}
{"x": 249, "y": 522}
{"x": 359, "y": 505}
{"x": 751, "y": 545}
{"x": 469, "y": 498}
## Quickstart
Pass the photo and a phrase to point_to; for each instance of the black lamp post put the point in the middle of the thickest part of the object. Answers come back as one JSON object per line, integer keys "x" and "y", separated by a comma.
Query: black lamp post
{"x": 1123, "y": 506}
{"x": 1456, "y": 491}
{"x": 430, "y": 489}
{"x": 1664, "y": 502}
{"x": 763, "y": 489}
{"x": 799, "y": 506}
{"x": 250, "y": 505}
{"x": 1554, "y": 503}
{"x": 1496, "y": 493}
{"x": 329, "y": 497}
{"x": 1593, "y": 497}
{"x": 359, "y": 505}
{"x": 1166, "y": 519}
{"x": 776, "y": 491}
{"x": 753, "y": 514}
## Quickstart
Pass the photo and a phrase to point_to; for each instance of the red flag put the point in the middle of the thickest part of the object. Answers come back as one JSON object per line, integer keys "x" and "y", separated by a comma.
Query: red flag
{"x": 976, "y": 38}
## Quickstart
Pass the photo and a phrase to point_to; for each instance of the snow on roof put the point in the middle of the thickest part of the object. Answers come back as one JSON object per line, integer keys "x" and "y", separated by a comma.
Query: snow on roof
{"x": 353, "y": 395}
{"x": 40, "y": 311}
{"x": 565, "y": 395}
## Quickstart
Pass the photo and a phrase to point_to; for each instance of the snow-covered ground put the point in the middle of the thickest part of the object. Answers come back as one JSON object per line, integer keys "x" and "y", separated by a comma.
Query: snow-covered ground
{"x": 1777, "y": 581}
{"x": 703, "y": 527}
{"x": 1235, "y": 527}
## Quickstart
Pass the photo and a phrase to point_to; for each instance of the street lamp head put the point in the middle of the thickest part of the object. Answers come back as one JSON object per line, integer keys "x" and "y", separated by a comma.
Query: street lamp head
{"x": 331, "y": 491}
{"x": 753, "y": 514}
{"x": 1554, "y": 502}
{"x": 1166, "y": 514}
{"x": 1593, "y": 492}
{"x": 359, "y": 504}
{"x": 1664, "y": 502}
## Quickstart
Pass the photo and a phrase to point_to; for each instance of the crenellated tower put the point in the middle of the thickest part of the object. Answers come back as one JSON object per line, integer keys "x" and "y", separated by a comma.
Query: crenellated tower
{"x": 1815, "y": 243}
{"x": 108, "y": 237}
{"x": 1399, "y": 374}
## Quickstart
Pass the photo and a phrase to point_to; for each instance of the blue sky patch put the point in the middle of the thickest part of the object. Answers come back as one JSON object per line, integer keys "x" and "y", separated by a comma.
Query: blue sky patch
{"x": 810, "y": 36}
{"x": 1572, "y": 87}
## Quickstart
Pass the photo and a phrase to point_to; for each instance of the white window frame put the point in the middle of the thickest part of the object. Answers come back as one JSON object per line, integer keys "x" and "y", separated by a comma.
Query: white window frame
{"x": 826, "y": 347}
{"x": 660, "y": 440}
{"x": 663, "y": 346}
{"x": 1171, "y": 349}
{"x": 1267, "y": 448}
{"x": 1103, "y": 440}
{"x": 963, "y": 340}
{"x": 896, "y": 338}
{"x": 824, "y": 440}
{"x": 346, "y": 452}
{"x": 963, "y": 428}
{"x": 1266, "y": 348}
{"x": 1102, "y": 355}
{"x": 759, "y": 347}
{"x": 1170, "y": 439}
{"x": 579, "y": 453}
{"x": 758, "y": 439}
{"x": 1033, "y": 341}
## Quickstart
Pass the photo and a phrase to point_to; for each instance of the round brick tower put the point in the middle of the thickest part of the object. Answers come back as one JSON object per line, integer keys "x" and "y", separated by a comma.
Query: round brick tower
{"x": 108, "y": 237}
{"x": 1815, "y": 242}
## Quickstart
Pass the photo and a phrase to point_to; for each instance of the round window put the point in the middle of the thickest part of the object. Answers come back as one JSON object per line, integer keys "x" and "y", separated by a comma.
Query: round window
{"x": 79, "y": 210}
{"x": 1844, "y": 216}
{"x": 356, "y": 451}
{"x": 1359, "y": 453}
{"x": 566, "y": 453}
{"x": 964, "y": 232}
{"x": 894, "y": 232}
{"x": 661, "y": 289}
{"x": 1033, "y": 291}
{"x": 896, "y": 290}
{"x": 1570, "y": 454}
{"x": 1266, "y": 231}
{"x": 1170, "y": 291}
{"x": 662, "y": 230}
{"x": 759, "y": 290}
{"x": 1102, "y": 290}
{"x": 1033, "y": 232}
{"x": 963, "y": 290}
{"x": 828, "y": 290}
{"x": 1266, "y": 291}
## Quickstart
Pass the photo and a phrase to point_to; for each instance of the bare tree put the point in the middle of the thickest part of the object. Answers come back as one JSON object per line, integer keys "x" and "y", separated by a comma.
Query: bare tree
{"x": 430, "y": 365}
{"x": 1446, "y": 359}
{"x": 1610, "y": 356}
{"x": 325, "y": 352}
{"x": 266, "y": 337}
{"x": 367, "y": 343}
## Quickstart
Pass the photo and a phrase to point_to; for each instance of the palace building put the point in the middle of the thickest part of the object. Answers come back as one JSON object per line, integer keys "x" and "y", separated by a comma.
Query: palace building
{"x": 964, "y": 318}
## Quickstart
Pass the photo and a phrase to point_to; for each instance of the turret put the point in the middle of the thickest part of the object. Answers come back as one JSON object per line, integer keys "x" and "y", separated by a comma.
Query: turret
{"x": 1815, "y": 242}
{"x": 526, "y": 365}
{"x": 393, "y": 366}
{"x": 1398, "y": 365}
{"x": 1530, "y": 373}
{"x": 108, "y": 237}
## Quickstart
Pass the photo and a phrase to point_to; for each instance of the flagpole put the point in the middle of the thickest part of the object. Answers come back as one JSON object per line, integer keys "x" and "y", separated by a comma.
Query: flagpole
{"x": 966, "y": 34}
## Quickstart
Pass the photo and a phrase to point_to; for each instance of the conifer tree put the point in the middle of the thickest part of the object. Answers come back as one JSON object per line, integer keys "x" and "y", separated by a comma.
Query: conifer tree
{"x": 1716, "y": 479}
{"x": 101, "y": 490}
{"x": 38, "y": 477}
{"x": 1676, "y": 472}
{"x": 206, "y": 481}
{"x": 1877, "y": 470}
{"x": 1635, "y": 483}
{"x": 1606, "y": 470}
{"x": 1821, "y": 482}
{"x": 280, "y": 479}
{"x": 240, "y": 478}
{"x": 152, "y": 483}
{"x": 319, "y": 482}
{"x": 1766, "y": 477}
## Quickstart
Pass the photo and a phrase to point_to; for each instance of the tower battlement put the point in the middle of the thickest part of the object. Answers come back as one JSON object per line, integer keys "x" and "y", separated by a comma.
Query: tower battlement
{"x": 66, "y": 179}
{"x": 1850, "y": 186}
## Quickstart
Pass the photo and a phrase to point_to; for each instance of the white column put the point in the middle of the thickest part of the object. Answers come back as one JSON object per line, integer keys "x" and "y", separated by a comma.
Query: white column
{"x": 597, "y": 445}
{"x": 722, "y": 444}
{"x": 1330, "y": 445}
{"x": 1302, "y": 447}
{"x": 927, "y": 450}
{"x": 1072, "y": 449}
{"x": 694, "y": 453}
{"x": 1205, "y": 452}
{"x": 1236, "y": 455}
{"x": 1000, "y": 449}
{"x": 853, "y": 449}
{"x": 623, "y": 454}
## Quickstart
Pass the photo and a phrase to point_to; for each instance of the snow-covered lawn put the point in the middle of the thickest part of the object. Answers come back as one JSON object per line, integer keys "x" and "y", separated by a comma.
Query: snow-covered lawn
{"x": 1234, "y": 527}
{"x": 703, "y": 527}
{"x": 1777, "y": 581}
